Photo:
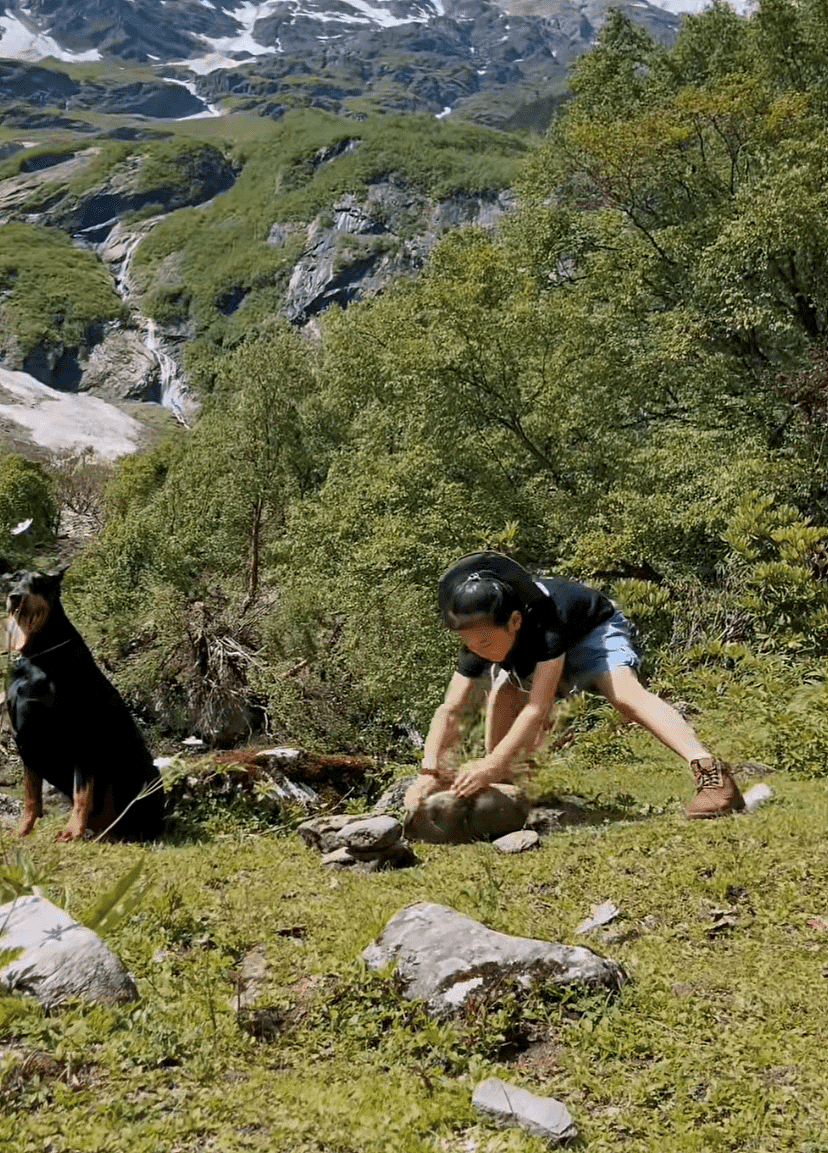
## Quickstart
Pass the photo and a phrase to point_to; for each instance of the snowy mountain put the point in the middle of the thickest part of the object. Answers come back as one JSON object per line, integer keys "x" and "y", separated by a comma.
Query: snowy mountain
{"x": 210, "y": 34}
{"x": 472, "y": 58}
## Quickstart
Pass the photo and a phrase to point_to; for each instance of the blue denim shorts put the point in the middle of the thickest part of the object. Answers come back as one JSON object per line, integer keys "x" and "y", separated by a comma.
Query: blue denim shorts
{"x": 609, "y": 646}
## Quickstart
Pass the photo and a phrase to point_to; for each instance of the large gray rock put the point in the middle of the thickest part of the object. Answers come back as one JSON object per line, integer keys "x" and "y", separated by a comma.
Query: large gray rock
{"x": 60, "y": 958}
{"x": 545, "y": 1117}
{"x": 444, "y": 957}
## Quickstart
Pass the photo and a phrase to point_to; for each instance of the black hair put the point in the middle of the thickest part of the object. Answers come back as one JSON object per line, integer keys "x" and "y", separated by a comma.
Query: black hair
{"x": 480, "y": 598}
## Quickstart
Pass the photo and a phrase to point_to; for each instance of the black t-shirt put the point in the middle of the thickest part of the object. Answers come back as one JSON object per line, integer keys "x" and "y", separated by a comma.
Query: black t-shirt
{"x": 557, "y": 613}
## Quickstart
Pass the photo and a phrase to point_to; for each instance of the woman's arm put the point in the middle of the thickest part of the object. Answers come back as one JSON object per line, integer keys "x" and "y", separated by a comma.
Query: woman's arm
{"x": 444, "y": 730}
{"x": 499, "y": 763}
{"x": 443, "y": 733}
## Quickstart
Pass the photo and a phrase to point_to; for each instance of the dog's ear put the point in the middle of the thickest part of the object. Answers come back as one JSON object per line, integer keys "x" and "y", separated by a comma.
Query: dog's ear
{"x": 50, "y": 583}
{"x": 57, "y": 574}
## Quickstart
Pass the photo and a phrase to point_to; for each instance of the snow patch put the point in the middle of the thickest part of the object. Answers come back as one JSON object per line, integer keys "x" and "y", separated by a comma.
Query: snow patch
{"x": 67, "y": 420}
{"x": 679, "y": 7}
{"x": 241, "y": 45}
{"x": 19, "y": 42}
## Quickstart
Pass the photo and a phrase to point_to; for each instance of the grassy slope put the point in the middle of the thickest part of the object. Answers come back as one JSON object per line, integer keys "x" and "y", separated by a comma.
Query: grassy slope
{"x": 715, "y": 1044}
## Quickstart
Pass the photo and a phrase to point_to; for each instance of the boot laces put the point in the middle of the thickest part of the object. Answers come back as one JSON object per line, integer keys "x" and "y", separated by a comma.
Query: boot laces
{"x": 708, "y": 776}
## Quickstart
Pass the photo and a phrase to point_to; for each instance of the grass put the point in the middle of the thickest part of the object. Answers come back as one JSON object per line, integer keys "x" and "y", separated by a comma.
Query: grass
{"x": 715, "y": 1044}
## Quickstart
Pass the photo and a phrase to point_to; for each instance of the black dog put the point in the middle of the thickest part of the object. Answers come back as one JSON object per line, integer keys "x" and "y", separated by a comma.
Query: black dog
{"x": 70, "y": 724}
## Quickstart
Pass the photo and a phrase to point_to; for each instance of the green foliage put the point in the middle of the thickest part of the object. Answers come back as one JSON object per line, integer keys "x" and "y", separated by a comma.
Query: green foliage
{"x": 26, "y": 492}
{"x": 20, "y": 876}
{"x": 118, "y": 903}
{"x": 330, "y": 1056}
{"x": 176, "y": 165}
{"x": 780, "y": 562}
{"x": 53, "y": 292}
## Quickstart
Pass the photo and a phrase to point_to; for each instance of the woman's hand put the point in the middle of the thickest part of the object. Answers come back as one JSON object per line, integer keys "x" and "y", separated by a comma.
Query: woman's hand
{"x": 474, "y": 777}
{"x": 423, "y": 787}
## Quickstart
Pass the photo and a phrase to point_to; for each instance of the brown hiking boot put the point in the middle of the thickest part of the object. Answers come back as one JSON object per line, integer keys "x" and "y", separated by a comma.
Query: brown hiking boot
{"x": 717, "y": 794}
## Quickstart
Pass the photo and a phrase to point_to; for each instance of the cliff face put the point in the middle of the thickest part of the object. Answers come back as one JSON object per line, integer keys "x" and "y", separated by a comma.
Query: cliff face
{"x": 365, "y": 242}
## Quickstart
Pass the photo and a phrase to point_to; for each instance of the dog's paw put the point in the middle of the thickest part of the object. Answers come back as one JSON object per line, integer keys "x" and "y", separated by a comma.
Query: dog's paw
{"x": 25, "y": 827}
{"x": 70, "y": 833}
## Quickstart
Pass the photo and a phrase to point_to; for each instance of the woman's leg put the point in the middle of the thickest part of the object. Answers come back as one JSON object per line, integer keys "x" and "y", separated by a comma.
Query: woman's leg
{"x": 717, "y": 794}
{"x": 505, "y": 702}
{"x": 626, "y": 693}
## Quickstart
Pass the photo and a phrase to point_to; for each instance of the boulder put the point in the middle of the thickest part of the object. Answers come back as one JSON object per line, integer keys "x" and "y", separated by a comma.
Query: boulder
{"x": 443, "y": 957}
{"x": 60, "y": 959}
{"x": 545, "y": 1117}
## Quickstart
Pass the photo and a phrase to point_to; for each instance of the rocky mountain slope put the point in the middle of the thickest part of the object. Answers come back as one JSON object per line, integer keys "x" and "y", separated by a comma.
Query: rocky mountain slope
{"x": 184, "y": 245}
{"x": 92, "y": 149}
{"x": 468, "y": 57}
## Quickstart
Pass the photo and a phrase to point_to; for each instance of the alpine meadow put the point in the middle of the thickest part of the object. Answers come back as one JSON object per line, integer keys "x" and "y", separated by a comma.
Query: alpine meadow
{"x": 624, "y": 382}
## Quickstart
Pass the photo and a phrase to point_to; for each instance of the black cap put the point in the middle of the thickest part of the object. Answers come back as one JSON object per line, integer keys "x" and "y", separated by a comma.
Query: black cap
{"x": 491, "y": 565}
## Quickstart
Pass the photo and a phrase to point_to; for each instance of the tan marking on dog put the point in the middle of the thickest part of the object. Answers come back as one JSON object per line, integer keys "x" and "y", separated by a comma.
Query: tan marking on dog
{"x": 25, "y": 621}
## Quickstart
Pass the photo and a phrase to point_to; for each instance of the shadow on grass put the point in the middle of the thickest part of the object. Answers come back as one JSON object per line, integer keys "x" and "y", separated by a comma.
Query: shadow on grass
{"x": 552, "y": 812}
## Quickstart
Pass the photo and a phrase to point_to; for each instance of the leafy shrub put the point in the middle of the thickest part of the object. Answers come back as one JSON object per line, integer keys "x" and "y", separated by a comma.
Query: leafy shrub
{"x": 781, "y": 566}
{"x": 26, "y": 492}
{"x": 80, "y": 479}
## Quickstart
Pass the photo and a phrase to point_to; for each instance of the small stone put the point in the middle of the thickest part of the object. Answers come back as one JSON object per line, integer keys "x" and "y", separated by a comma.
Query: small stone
{"x": 517, "y": 842}
{"x": 393, "y": 797}
{"x": 339, "y": 859}
{"x": 599, "y": 915}
{"x": 756, "y": 796}
{"x": 372, "y": 835}
{"x": 249, "y": 977}
{"x": 544, "y": 820}
{"x": 544, "y": 1117}
{"x": 281, "y": 758}
{"x": 10, "y": 806}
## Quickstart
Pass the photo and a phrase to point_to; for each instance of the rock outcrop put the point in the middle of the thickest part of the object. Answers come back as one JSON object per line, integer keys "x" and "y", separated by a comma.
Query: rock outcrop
{"x": 365, "y": 242}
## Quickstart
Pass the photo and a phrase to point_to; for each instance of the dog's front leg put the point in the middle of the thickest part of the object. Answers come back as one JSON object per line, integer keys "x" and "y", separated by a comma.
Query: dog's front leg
{"x": 32, "y": 802}
{"x": 81, "y": 808}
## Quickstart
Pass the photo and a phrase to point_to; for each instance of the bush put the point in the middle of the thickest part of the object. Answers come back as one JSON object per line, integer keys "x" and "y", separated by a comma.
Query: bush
{"x": 26, "y": 493}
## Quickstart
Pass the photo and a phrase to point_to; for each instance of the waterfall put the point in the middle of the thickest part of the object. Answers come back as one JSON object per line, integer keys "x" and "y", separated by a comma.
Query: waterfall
{"x": 174, "y": 395}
